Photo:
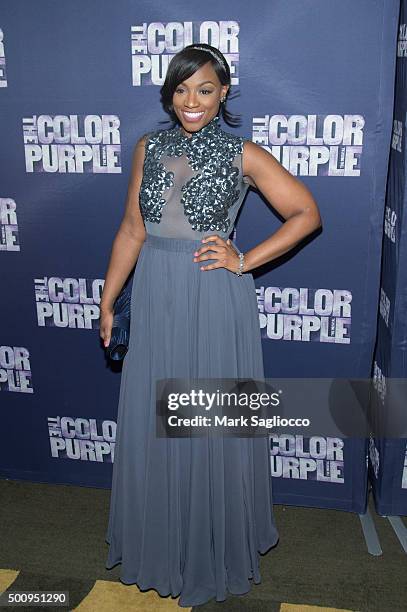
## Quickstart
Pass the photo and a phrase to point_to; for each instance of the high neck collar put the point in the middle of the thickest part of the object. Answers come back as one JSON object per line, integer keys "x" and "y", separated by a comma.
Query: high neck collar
{"x": 210, "y": 128}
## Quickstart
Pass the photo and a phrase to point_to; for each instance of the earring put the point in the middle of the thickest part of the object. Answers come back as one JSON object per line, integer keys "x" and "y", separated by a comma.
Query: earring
{"x": 222, "y": 99}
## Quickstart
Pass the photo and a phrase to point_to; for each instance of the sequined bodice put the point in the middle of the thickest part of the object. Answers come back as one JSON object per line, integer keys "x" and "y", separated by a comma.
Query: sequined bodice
{"x": 192, "y": 186}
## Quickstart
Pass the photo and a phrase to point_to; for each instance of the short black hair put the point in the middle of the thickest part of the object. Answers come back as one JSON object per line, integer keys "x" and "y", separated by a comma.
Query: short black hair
{"x": 184, "y": 64}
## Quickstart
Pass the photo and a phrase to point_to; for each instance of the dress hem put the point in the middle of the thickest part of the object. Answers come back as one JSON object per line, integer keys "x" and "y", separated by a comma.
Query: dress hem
{"x": 196, "y": 601}
{"x": 163, "y": 592}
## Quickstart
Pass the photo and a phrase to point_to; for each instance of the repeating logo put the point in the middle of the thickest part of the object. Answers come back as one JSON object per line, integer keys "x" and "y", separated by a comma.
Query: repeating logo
{"x": 68, "y": 302}
{"x": 374, "y": 457}
{"x": 3, "y": 74}
{"x": 397, "y": 136}
{"x": 298, "y": 458}
{"x": 72, "y": 144}
{"x": 313, "y": 145}
{"x": 82, "y": 439}
{"x": 15, "y": 369}
{"x": 9, "y": 239}
{"x": 384, "y": 306}
{"x": 379, "y": 382}
{"x": 390, "y": 224}
{"x": 153, "y": 45}
{"x": 402, "y": 41}
{"x": 306, "y": 315}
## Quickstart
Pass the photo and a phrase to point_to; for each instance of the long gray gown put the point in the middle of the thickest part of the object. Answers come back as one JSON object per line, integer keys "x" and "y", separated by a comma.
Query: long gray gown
{"x": 188, "y": 516}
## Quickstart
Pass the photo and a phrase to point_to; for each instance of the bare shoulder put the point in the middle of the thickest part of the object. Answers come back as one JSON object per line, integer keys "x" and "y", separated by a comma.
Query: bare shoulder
{"x": 254, "y": 154}
{"x": 139, "y": 149}
{"x": 142, "y": 141}
{"x": 139, "y": 153}
{"x": 257, "y": 163}
{"x": 249, "y": 154}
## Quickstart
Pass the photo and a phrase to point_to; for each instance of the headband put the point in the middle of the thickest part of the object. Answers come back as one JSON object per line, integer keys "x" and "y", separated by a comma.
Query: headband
{"x": 220, "y": 60}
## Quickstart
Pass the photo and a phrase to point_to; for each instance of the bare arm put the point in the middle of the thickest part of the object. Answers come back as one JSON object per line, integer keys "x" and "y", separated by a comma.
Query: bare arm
{"x": 130, "y": 235}
{"x": 289, "y": 196}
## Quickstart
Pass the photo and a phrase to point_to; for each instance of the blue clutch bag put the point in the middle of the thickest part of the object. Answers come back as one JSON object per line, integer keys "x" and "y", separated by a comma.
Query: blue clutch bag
{"x": 119, "y": 340}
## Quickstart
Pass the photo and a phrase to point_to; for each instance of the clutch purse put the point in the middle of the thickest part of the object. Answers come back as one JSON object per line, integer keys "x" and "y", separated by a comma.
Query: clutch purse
{"x": 119, "y": 339}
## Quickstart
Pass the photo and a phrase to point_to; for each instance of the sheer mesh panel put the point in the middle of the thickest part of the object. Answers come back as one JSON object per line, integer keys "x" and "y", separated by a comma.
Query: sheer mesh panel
{"x": 174, "y": 222}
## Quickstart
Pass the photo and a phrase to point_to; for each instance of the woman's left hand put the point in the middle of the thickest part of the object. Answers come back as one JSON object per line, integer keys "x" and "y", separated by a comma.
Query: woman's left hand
{"x": 222, "y": 250}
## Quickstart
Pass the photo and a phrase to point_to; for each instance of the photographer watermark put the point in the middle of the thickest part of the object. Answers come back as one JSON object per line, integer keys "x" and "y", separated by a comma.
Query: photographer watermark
{"x": 221, "y": 407}
{"x": 219, "y": 404}
{"x": 245, "y": 407}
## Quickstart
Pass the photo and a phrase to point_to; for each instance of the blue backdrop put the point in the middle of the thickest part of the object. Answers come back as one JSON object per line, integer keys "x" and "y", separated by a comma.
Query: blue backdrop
{"x": 79, "y": 85}
{"x": 388, "y": 456}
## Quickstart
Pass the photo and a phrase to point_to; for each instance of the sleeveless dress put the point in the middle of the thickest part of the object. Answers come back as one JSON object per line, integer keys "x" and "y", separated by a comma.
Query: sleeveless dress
{"x": 188, "y": 516}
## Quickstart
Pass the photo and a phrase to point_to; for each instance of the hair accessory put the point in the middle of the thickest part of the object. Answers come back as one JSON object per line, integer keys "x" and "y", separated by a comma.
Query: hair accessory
{"x": 220, "y": 59}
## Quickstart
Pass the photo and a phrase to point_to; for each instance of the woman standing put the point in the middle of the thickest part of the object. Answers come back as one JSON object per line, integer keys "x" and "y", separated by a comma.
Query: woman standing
{"x": 188, "y": 516}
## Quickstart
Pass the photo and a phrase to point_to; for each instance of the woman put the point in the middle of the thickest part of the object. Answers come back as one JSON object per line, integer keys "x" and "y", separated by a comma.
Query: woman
{"x": 189, "y": 516}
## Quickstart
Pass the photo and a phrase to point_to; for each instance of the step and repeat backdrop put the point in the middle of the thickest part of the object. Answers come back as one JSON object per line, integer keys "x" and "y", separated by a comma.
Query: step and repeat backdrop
{"x": 79, "y": 84}
{"x": 388, "y": 452}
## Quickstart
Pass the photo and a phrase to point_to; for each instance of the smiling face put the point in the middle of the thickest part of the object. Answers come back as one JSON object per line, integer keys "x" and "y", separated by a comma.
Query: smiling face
{"x": 196, "y": 100}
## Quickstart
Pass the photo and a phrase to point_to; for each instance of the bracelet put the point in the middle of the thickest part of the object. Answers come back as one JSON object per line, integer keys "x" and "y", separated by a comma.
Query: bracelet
{"x": 239, "y": 272}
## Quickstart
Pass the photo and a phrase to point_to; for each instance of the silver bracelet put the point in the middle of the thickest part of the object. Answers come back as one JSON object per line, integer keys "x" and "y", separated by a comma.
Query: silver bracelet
{"x": 239, "y": 272}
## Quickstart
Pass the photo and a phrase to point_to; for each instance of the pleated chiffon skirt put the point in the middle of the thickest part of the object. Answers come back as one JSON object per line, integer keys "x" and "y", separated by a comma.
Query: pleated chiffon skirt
{"x": 188, "y": 516}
